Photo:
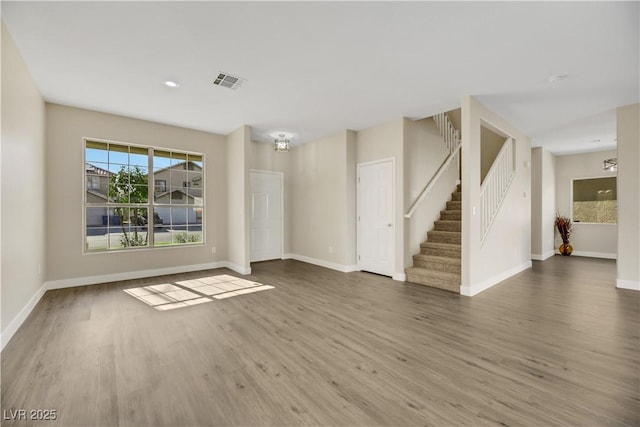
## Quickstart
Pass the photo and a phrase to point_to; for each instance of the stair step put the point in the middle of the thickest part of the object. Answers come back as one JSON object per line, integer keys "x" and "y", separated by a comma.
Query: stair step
{"x": 456, "y": 197}
{"x": 437, "y": 263}
{"x": 454, "y": 205}
{"x": 448, "y": 225}
{"x": 435, "y": 279}
{"x": 441, "y": 249}
{"x": 451, "y": 215}
{"x": 444, "y": 236}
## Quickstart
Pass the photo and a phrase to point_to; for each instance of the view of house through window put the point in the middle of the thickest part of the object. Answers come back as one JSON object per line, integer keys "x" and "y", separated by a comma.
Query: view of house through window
{"x": 119, "y": 199}
{"x": 595, "y": 200}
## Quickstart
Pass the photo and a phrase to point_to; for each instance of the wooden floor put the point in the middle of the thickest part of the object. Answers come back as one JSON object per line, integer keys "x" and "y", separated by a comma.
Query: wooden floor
{"x": 555, "y": 345}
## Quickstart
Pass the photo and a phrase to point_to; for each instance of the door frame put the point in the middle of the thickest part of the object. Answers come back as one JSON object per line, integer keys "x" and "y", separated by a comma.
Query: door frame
{"x": 393, "y": 208}
{"x": 281, "y": 177}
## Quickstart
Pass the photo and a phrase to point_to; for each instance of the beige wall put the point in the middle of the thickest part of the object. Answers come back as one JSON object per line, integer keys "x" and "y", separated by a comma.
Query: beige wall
{"x": 506, "y": 249}
{"x": 543, "y": 203}
{"x": 424, "y": 152}
{"x": 66, "y": 127}
{"x": 320, "y": 191}
{"x": 239, "y": 194}
{"x": 386, "y": 141}
{"x": 629, "y": 197}
{"x": 596, "y": 240}
{"x": 490, "y": 145}
{"x": 22, "y": 179}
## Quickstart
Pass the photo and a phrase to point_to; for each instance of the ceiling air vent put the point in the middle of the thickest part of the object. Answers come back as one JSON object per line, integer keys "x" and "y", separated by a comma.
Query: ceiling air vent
{"x": 227, "y": 80}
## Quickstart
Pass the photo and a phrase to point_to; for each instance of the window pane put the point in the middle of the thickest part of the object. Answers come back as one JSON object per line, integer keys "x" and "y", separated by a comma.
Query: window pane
{"x": 118, "y": 154}
{"x": 161, "y": 159}
{"x": 178, "y": 196}
{"x": 138, "y": 194}
{"x": 178, "y": 159}
{"x": 595, "y": 200}
{"x": 196, "y": 160}
{"x": 139, "y": 157}
{"x": 96, "y": 152}
{"x": 96, "y": 229}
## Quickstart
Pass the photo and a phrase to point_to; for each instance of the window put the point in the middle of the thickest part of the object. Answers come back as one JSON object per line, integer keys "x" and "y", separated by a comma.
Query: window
{"x": 93, "y": 182}
{"x": 118, "y": 207}
{"x": 161, "y": 185}
{"x": 595, "y": 200}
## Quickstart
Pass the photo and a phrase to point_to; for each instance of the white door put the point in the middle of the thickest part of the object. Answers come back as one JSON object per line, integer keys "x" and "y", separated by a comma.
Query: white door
{"x": 266, "y": 216}
{"x": 375, "y": 217}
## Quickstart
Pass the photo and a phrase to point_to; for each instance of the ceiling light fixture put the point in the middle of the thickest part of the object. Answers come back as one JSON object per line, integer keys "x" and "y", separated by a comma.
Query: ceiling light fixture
{"x": 281, "y": 143}
{"x": 171, "y": 83}
{"x": 557, "y": 78}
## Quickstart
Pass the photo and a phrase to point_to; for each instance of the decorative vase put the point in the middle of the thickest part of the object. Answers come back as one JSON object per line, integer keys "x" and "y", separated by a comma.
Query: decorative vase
{"x": 566, "y": 249}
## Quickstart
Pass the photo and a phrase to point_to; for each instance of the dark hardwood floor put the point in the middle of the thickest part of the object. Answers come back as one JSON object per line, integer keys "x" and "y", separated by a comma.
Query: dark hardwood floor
{"x": 555, "y": 345}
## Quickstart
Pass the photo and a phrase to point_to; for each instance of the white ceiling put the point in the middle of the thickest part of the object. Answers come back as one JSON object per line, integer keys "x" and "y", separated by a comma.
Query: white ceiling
{"x": 316, "y": 68}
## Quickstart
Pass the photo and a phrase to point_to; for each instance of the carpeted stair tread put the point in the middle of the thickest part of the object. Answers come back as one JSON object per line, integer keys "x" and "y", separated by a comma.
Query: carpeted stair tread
{"x": 436, "y": 258}
{"x": 451, "y": 215}
{"x": 448, "y": 225}
{"x": 444, "y": 236}
{"x": 437, "y": 263}
{"x": 454, "y": 205}
{"x": 435, "y": 279}
{"x": 441, "y": 249}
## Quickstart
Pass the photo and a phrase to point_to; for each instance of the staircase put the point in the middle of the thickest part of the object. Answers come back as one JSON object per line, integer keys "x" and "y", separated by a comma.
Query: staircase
{"x": 438, "y": 263}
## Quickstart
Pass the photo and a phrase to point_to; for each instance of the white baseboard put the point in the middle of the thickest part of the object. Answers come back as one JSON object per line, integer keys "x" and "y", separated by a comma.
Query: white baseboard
{"x": 476, "y": 288}
{"x": 634, "y": 285}
{"x": 401, "y": 277}
{"x": 237, "y": 268}
{"x": 546, "y": 255}
{"x": 94, "y": 280}
{"x": 17, "y": 321}
{"x": 322, "y": 263}
{"x": 604, "y": 255}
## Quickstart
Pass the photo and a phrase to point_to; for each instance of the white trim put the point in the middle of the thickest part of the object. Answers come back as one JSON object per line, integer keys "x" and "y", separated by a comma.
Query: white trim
{"x": 17, "y": 321}
{"x": 104, "y": 278}
{"x": 604, "y": 255}
{"x": 235, "y": 267}
{"x": 475, "y": 289}
{"x": 322, "y": 263}
{"x": 544, "y": 256}
{"x": 400, "y": 277}
{"x": 634, "y": 285}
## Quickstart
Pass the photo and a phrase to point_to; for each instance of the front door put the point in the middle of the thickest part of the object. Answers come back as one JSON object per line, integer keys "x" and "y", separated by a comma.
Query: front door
{"x": 266, "y": 216}
{"x": 375, "y": 217}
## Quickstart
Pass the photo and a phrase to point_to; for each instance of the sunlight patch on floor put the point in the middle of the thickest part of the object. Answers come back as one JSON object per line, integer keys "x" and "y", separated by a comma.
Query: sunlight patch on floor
{"x": 185, "y": 293}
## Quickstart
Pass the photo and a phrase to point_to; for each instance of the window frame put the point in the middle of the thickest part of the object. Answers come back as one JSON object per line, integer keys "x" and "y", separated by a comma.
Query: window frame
{"x": 150, "y": 205}
{"x": 579, "y": 223}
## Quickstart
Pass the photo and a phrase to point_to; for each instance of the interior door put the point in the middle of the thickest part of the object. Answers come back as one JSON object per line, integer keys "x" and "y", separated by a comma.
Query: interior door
{"x": 375, "y": 217}
{"x": 266, "y": 216}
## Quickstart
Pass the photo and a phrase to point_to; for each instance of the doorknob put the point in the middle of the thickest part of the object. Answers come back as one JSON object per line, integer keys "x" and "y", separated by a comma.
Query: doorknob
{"x": 389, "y": 225}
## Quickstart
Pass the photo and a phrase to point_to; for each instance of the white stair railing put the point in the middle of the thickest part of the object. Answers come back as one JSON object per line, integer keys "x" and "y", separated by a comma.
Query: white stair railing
{"x": 496, "y": 184}
{"x": 449, "y": 133}
{"x": 451, "y": 138}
